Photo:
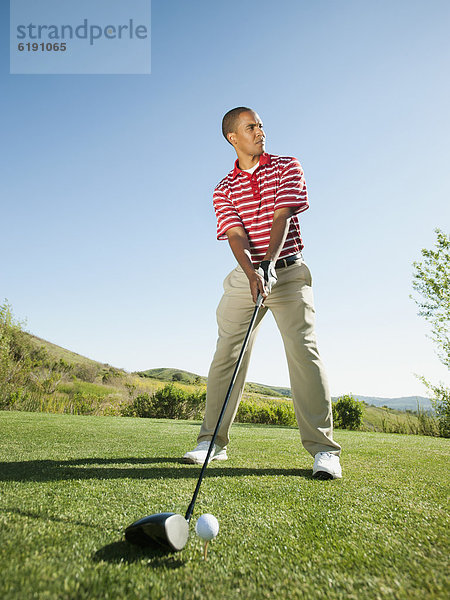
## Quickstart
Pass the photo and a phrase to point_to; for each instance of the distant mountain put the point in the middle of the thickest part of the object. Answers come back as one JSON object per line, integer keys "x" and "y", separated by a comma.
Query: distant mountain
{"x": 403, "y": 403}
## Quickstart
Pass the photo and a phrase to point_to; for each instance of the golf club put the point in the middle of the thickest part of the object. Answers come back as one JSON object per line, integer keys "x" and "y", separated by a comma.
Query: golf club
{"x": 171, "y": 530}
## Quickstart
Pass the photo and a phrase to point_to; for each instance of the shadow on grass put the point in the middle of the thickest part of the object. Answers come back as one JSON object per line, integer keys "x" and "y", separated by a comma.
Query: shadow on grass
{"x": 116, "y": 552}
{"x": 40, "y": 517}
{"x": 132, "y": 467}
{"x": 123, "y": 552}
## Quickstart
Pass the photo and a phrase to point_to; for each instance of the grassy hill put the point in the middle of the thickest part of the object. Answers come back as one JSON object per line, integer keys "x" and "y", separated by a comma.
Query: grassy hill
{"x": 67, "y": 382}
{"x": 403, "y": 403}
{"x": 164, "y": 374}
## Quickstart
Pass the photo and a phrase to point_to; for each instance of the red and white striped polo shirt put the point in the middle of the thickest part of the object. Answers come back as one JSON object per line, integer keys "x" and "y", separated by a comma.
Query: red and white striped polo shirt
{"x": 249, "y": 201}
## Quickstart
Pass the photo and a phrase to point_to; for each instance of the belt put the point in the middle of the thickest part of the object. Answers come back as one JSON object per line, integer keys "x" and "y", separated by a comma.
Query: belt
{"x": 289, "y": 260}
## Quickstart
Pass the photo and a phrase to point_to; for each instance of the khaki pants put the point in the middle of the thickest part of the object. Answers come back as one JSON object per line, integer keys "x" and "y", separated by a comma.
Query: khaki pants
{"x": 291, "y": 302}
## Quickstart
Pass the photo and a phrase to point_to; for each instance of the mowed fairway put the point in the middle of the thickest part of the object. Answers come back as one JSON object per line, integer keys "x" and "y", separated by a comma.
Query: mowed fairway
{"x": 69, "y": 486}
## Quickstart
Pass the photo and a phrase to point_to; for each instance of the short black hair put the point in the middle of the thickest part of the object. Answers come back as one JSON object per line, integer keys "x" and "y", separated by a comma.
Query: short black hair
{"x": 229, "y": 121}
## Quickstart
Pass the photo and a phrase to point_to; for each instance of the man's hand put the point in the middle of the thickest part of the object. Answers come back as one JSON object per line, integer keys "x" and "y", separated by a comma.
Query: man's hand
{"x": 257, "y": 285}
{"x": 267, "y": 271}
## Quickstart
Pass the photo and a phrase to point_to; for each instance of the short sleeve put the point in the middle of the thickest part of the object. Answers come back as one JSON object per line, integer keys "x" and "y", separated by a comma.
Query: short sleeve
{"x": 226, "y": 214}
{"x": 292, "y": 189}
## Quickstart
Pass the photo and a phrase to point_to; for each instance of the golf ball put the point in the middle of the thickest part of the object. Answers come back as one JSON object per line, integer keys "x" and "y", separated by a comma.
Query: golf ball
{"x": 207, "y": 527}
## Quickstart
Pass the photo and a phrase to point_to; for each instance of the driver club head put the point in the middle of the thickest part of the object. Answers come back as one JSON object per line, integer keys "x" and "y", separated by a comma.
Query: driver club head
{"x": 167, "y": 530}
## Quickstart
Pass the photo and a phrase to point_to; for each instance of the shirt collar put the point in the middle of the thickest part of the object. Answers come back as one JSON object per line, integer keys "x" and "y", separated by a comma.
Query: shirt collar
{"x": 264, "y": 159}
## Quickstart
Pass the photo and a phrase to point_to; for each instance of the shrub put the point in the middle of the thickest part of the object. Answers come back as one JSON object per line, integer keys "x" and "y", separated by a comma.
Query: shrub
{"x": 86, "y": 372}
{"x": 169, "y": 402}
{"x": 347, "y": 412}
{"x": 172, "y": 402}
{"x": 194, "y": 405}
{"x": 270, "y": 413}
{"x": 62, "y": 366}
{"x": 110, "y": 374}
{"x": 82, "y": 404}
{"x": 142, "y": 406}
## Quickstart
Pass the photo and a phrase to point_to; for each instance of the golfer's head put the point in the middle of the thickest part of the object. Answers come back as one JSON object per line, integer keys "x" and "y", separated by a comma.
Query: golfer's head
{"x": 243, "y": 129}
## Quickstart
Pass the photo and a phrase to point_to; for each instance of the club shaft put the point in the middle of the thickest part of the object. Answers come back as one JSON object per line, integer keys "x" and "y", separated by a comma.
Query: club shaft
{"x": 222, "y": 412}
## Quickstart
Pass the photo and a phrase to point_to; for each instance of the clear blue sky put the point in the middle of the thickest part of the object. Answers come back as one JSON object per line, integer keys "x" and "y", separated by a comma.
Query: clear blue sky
{"x": 108, "y": 244}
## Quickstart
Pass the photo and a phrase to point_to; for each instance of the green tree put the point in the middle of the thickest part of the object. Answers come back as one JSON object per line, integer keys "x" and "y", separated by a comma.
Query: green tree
{"x": 15, "y": 359}
{"x": 347, "y": 412}
{"x": 431, "y": 280}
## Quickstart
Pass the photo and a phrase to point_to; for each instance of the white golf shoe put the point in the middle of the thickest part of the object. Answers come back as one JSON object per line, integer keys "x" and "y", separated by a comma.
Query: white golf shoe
{"x": 197, "y": 456}
{"x": 326, "y": 466}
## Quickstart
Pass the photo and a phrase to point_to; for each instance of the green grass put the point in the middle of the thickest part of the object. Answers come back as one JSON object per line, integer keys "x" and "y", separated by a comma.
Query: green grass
{"x": 86, "y": 388}
{"x": 69, "y": 485}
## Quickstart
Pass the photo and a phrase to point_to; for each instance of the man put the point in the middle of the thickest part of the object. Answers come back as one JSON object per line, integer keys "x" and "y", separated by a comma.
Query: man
{"x": 256, "y": 207}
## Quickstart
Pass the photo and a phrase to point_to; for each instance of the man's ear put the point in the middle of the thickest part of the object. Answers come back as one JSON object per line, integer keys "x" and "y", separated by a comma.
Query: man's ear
{"x": 231, "y": 138}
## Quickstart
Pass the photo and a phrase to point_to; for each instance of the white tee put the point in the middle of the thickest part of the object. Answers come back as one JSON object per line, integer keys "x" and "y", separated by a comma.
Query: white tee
{"x": 252, "y": 169}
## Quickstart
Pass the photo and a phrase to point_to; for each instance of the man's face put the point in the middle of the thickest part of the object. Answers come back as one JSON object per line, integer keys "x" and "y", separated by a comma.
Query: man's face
{"x": 249, "y": 137}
